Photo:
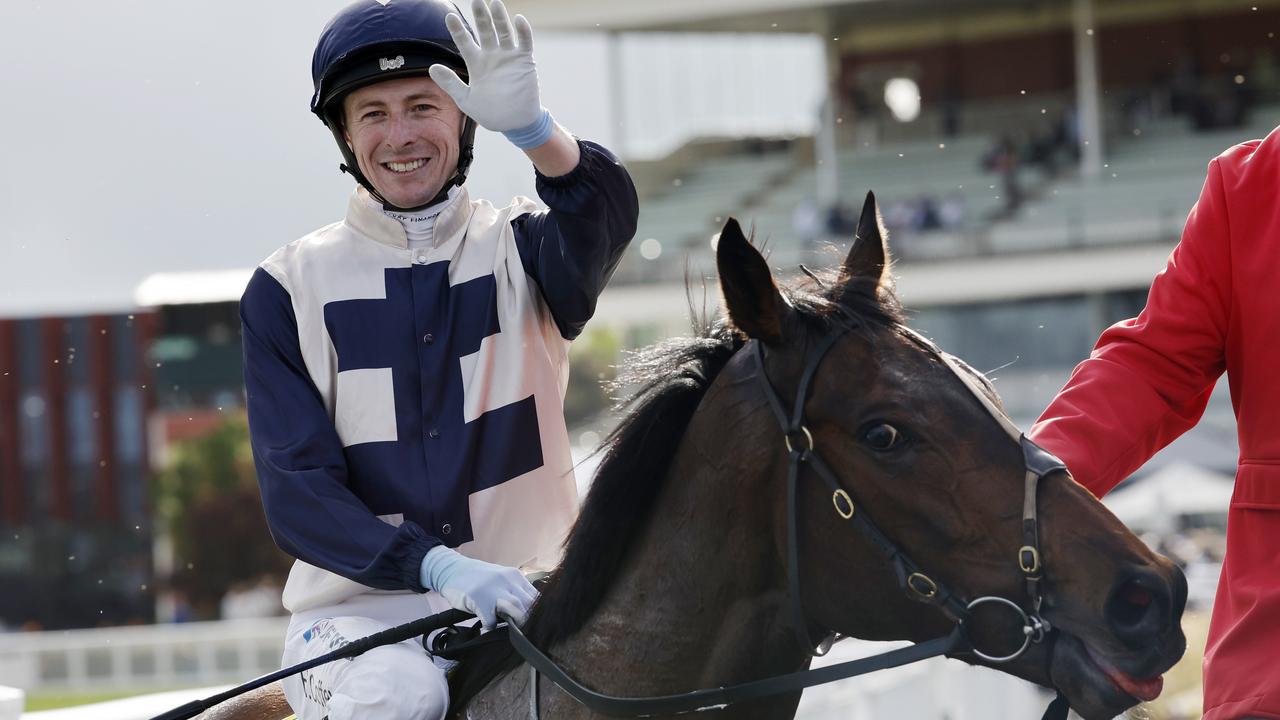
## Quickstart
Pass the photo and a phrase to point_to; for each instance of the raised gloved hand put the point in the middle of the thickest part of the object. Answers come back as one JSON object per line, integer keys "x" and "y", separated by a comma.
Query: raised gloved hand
{"x": 476, "y": 586}
{"x": 503, "y": 94}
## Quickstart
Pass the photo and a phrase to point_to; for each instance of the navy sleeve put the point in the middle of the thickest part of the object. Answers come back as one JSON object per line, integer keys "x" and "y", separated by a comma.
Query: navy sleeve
{"x": 302, "y": 470}
{"x": 572, "y": 249}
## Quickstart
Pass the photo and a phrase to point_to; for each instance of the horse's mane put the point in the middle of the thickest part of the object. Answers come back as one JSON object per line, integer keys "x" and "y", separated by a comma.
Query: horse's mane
{"x": 669, "y": 380}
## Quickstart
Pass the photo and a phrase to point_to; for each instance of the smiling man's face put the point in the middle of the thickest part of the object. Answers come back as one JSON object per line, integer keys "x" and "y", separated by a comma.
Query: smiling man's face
{"x": 404, "y": 134}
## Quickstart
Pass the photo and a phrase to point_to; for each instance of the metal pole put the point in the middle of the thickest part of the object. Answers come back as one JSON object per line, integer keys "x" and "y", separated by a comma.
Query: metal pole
{"x": 617, "y": 95}
{"x": 825, "y": 157}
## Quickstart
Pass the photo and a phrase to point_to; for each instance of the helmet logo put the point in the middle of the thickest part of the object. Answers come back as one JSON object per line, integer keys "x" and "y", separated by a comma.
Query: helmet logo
{"x": 394, "y": 63}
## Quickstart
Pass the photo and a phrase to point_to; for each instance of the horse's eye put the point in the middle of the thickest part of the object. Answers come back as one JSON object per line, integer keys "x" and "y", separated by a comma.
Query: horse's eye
{"x": 882, "y": 437}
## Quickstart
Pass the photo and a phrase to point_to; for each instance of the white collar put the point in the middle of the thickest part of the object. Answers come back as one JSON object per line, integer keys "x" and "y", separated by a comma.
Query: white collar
{"x": 366, "y": 216}
{"x": 419, "y": 225}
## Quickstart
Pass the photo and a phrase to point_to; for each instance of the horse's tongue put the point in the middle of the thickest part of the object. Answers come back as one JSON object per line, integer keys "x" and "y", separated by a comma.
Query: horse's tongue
{"x": 1144, "y": 690}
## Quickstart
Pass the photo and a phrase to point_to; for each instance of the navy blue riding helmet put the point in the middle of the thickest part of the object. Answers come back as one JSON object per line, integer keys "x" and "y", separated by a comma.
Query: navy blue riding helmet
{"x": 374, "y": 40}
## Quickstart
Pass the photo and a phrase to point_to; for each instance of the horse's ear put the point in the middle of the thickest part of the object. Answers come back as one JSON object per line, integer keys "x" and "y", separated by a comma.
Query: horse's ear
{"x": 750, "y": 296}
{"x": 867, "y": 264}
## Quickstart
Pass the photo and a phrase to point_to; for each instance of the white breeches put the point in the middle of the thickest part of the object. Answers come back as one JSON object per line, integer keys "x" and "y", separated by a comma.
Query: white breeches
{"x": 395, "y": 682}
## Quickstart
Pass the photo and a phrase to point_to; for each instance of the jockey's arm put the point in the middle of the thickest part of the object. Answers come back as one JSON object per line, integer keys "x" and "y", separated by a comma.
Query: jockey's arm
{"x": 558, "y": 156}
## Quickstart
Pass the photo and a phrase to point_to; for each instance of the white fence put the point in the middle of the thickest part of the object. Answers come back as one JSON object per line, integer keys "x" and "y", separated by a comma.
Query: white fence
{"x": 936, "y": 689}
{"x": 11, "y": 702}
{"x": 147, "y": 657}
{"x": 229, "y": 652}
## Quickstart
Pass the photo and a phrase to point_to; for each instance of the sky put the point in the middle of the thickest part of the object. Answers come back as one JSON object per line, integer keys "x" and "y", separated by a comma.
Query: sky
{"x": 142, "y": 136}
{"x": 145, "y": 136}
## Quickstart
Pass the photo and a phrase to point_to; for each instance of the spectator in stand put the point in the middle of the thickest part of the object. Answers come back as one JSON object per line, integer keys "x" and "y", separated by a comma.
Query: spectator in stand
{"x": 1004, "y": 159}
{"x": 840, "y": 222}
{"x": 806, "y": 222}
{"x": 952, "y": 211}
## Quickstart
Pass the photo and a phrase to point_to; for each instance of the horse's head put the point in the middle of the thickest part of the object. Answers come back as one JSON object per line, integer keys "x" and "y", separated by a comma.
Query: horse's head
{"x": 919, "y": 443}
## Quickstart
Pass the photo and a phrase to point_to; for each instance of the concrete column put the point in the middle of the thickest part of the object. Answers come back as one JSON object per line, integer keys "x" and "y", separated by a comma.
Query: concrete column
{"x": 1088, "y": 92}
{"x": 825, "y": 156}
{"x": 617, "y": 97}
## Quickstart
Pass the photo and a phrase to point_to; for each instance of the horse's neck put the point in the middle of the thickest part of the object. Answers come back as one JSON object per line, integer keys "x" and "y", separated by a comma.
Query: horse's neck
{"x": 701, "y": 601}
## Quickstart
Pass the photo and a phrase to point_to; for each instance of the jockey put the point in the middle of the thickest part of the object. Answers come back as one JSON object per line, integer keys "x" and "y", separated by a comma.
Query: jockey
{"x": 406, "y": 367}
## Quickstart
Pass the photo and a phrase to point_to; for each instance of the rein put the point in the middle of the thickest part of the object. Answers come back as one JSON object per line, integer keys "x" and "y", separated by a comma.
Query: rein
{"x": 390, "y": 636}
{"x": 717, "y": 698}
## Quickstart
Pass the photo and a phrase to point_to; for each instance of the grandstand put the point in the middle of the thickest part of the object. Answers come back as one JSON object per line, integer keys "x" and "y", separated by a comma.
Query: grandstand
{"x": 1150, "y": 180}
{"x": 1153, "y": 169}
{"x": 1090, "y": 226}
{"x": 685, "y": 214}
{"x": 897, "y": 172}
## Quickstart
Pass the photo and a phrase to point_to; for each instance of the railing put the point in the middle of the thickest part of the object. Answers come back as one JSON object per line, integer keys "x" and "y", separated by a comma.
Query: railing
{"x": 11, "y": 703}
{"x": 202, "y": 654}
{"x": 936, "y": 689}
{"x": 144, "y": 658}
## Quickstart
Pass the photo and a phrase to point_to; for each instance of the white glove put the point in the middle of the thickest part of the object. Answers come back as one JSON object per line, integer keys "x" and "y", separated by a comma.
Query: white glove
{"x": 503, "y": 94}
{"x": 480, "y": 588}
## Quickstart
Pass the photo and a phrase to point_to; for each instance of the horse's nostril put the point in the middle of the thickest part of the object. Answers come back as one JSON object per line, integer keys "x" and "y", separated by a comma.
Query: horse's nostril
{"x": 1129, "y": 606}
{"x": 1138, "y": 608}
{"x": 1137, "y": 595}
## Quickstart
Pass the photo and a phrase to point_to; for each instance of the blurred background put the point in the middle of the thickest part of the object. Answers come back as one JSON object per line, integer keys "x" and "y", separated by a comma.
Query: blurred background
{"x": 1034, "y": 160}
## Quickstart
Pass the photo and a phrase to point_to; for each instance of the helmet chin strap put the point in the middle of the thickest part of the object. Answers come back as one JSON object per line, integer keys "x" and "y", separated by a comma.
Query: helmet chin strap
{"x": 466, "y": 152}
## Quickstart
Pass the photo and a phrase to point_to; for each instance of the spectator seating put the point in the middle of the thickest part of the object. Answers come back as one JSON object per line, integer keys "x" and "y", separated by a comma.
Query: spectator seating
{"x": 1148, "y": 184}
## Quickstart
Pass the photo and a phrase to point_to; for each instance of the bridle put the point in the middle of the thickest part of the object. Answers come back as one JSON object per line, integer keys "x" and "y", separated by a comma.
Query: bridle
{"x": 911, "y": 577}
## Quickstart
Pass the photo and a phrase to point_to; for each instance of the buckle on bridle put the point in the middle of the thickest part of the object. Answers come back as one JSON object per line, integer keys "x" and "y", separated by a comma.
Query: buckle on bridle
{"x": 1037, "y": 629}
{"x": 922, "y": 585}
{"x": 841, "y": 496}
{"x": 786, "y": 437}
{"x": 1029, "y": 560}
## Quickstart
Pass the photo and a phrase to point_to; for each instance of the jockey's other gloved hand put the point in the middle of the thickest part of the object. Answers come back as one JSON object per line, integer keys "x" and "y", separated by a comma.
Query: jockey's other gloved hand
{"x": 477, "y": 587}
{"x": 503, "y": 94}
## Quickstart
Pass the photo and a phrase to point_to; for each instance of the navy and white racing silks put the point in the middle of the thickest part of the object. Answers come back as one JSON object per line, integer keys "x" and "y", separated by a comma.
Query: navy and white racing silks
{"x": 400, "y": 398}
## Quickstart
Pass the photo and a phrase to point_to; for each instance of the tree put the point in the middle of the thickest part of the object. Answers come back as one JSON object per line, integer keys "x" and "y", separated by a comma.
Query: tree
{"x": 207, "y": 501}
{"x": 592, "y": 362}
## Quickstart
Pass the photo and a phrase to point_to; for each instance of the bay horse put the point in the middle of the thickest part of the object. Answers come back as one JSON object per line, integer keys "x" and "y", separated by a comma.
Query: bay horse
{"x": 676, "y": 574}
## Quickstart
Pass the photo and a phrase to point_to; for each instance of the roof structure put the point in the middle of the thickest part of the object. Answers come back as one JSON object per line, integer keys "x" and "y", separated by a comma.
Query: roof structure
{"x": 956, "y": 17}
{"x": 188, "y": 288}
{"x": 1178, "y": 489}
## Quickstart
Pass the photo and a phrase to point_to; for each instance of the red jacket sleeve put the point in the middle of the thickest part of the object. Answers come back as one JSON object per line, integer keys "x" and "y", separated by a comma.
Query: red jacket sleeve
{"x": 1149, "y": 378}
